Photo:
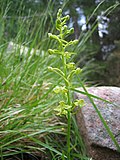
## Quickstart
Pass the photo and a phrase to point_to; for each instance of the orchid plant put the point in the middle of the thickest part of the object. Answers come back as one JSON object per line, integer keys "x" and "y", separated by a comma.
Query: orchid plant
{"x": 67, "y": 105}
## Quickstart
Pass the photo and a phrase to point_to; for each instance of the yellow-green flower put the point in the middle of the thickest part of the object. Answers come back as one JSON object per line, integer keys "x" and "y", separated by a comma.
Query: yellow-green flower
{"x": 60, "y": 89}
{"x": 79, "y": 103}
{"x": 63, "y": 108}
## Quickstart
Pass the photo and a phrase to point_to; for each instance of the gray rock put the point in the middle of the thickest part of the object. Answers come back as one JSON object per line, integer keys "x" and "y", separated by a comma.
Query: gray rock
{"x": 98, "y": 143}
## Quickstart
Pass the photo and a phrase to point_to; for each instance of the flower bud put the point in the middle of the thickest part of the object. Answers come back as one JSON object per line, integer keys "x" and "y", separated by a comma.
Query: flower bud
{"x": 75, "y": 41}
{"x": 58, "y": 89}
{"x": 50, "y": 51}
{"x": 79, "y": 103}
{"x": 52, "y": 36}
{"x": 67, "y": 17}
{"x": 50, "y": 68}
{"x": 59, "y": 13}
{"x": 71, "y": 31}
{"x": 64, "y": 28}
{"x": 78, "y": 70}
{"x": 71, "y": 65}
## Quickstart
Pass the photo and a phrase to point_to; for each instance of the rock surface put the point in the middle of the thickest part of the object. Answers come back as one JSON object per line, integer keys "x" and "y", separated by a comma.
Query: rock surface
{"x": 98, "y": 143}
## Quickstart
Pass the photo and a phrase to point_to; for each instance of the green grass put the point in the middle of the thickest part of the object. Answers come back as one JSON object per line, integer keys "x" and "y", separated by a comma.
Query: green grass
{"x": 28, "y": 122}
{"x": 27, "y": 102}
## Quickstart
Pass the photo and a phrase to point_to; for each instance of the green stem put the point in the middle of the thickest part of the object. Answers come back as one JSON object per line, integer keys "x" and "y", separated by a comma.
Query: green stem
{"x": 68, "y": 135}
{"x": 69, "y": 125}
{"x": 68, "y": 114}
{"x": 68, "y": 100}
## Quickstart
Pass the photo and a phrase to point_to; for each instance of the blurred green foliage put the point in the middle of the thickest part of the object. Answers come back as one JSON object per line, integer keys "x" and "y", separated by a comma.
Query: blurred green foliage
{"x": 23, "y": 20}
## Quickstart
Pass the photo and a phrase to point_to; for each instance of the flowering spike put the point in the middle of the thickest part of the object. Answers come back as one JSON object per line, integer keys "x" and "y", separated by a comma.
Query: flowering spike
{"x": 65, "y": 106}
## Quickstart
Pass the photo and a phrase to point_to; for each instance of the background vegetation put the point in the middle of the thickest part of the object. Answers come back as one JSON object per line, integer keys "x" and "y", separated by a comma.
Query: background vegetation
{"x": 27, "y": 121}
{"x": 101, "y": 19}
